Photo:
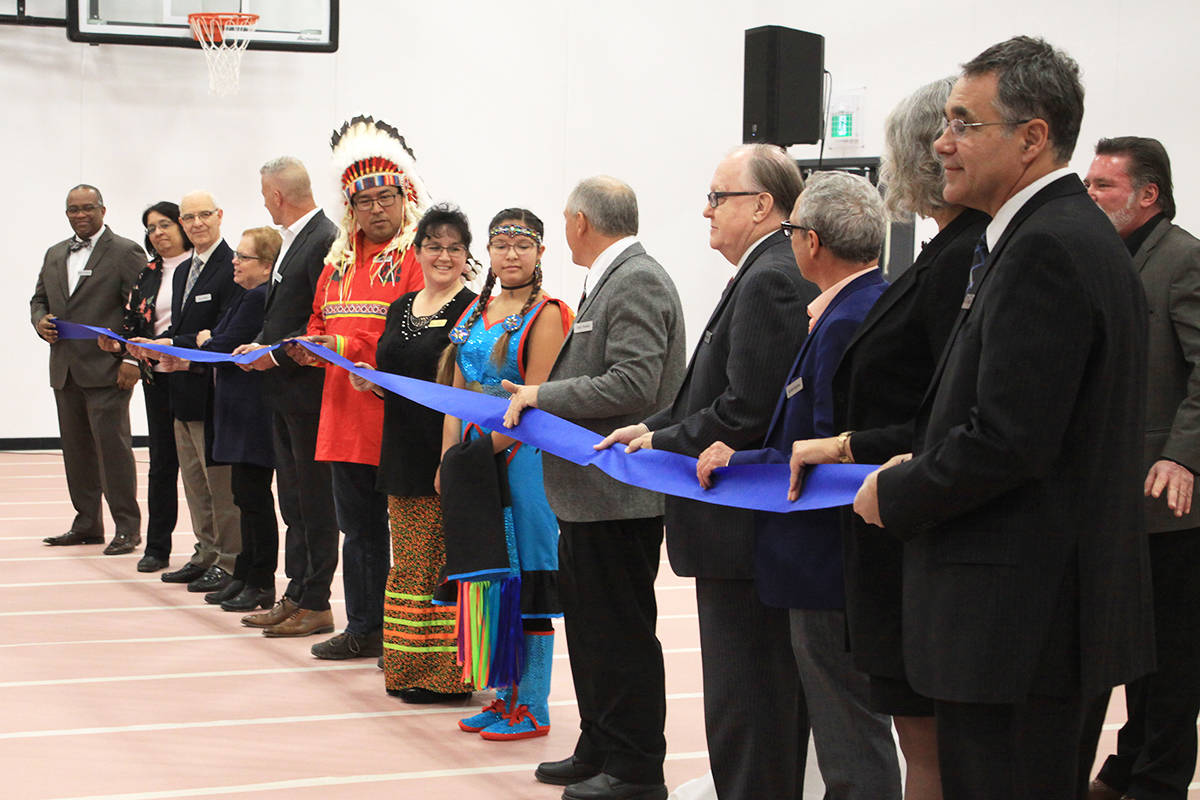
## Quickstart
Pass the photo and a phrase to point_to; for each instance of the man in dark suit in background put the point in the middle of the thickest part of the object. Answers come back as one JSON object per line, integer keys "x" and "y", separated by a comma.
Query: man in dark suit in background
{"x": 758, "y": 736}
{"x": 1026, "y": 581}
{"x": 1131, "y": 180}
{"x": 201, "y": 291}
{"x": 87, "y": 279}
{"x": 623, "y": 359}
{"x": 293, "y": 393}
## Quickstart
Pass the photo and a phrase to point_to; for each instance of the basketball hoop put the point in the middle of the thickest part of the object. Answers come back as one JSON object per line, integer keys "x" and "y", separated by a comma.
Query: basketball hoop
{"x": 223, "y": 37}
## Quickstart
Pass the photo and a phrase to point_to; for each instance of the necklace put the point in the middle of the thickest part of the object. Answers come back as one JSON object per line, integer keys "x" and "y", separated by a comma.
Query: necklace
{"x": 530, "y": 282}
{"x": 415, "y": 323}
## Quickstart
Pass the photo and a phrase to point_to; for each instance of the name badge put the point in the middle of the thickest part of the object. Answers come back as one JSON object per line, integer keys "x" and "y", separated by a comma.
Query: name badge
{"x": 794, "y": 387}
{"x": 202, "y": 298}
{"x": 583, "y": 327}
{"x": 437, "y": 323}
{"x": 968, "y": 299}
{"x": 708, "y": 337}
{"x": 83, "y": 273}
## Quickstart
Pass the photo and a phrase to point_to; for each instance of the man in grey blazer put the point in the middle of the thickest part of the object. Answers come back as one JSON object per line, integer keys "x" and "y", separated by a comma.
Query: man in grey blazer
{"x": 1131, "y": 180}
{"x": 623, "y": 359}
{"x": 87, "y": 279}
{"x": 755, "y": 720}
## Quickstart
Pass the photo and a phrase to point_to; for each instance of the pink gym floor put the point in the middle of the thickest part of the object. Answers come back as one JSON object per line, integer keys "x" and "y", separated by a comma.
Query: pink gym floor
{"x": 116, "y": 685}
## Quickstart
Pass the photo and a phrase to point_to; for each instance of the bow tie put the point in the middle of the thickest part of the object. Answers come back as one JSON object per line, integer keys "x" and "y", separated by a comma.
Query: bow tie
{"x": 78, "y": 244}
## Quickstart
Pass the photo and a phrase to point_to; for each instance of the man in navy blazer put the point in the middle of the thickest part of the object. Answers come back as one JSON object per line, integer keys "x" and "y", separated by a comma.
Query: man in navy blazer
{"x": 202, "y": 289}
{"x": 837, "y": 232}
{"x": 1026, "y": 579}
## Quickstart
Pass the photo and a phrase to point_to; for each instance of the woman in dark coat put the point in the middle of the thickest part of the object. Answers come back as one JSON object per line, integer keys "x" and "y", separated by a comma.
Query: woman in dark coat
{"x": 878, "y": 387}
{"x": 241, "y": 427}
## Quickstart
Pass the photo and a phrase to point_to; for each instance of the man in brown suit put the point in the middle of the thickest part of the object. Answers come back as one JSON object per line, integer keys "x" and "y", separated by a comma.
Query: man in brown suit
{"x": 87, "y": 279}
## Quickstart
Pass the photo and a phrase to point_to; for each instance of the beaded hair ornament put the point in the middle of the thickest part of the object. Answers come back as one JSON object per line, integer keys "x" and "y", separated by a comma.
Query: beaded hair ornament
{"x": 511, "y": 323}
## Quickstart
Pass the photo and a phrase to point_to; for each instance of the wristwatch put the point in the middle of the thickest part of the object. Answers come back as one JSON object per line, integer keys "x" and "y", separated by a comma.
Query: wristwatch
{"x": 844, "y": 450}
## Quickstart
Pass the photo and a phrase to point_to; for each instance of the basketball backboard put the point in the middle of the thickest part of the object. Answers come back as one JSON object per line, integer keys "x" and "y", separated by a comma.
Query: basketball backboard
{"x": 296, "y": 25}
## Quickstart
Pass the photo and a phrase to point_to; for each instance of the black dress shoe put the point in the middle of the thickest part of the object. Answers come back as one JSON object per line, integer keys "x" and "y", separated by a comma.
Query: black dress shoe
{"x": 185, "y": 574}
{"x": 606, "y": 787}
{"x": 249, "y": 598}
{"x": 230, "y": 590}
{"x": 123, "y": 543}
{"x": 214, "y": 578}
{"x": 562, "y": 773}
{"x": 419, "y": 696}
{"x": 72, "y": 537}
{"x": 149, "y": 563}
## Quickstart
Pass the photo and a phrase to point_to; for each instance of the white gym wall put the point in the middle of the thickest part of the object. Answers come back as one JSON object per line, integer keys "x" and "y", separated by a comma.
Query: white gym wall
{"x": 510, "y": 104}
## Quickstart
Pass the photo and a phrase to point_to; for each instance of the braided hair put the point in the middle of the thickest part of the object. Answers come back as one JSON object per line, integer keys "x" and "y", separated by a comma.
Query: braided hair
{"x": 450, "y": 354}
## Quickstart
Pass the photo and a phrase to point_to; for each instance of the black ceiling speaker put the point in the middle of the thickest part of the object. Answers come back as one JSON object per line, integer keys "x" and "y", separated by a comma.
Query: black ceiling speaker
{"x": 782, "y": 86}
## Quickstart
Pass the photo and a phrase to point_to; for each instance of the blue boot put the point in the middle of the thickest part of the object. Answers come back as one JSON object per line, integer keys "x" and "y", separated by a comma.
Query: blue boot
{"x": 531, "y": 716}
{"x": 496, "y": 711}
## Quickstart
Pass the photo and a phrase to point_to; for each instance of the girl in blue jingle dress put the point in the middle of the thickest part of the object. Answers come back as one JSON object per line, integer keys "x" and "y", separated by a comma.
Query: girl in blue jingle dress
{"x": 515, "y": 336}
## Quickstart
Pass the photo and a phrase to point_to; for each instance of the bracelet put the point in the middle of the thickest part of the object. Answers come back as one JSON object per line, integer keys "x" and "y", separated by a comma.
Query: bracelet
{"x": 844, "y": 451}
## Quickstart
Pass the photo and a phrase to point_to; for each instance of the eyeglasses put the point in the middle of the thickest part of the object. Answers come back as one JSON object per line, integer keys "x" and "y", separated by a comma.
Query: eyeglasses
{"x": 88, "y": 209}
{"x": 165, "y": 225}
{"x": 959, "y": 128}
{"x": 522, "y": 248}
{"x": 203, "y": 216}
{"x": 455, "y": 250}
{"x": 243, "y": 257}
{"x": 715, "y": 198}
{"x": 385, "y": 200}
{"x": 787, "y": 228}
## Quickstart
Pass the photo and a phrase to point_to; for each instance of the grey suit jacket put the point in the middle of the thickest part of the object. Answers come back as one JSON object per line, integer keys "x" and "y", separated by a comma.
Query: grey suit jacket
{"x": 98, "y": 299}
{"x": 1167, "y": 263}
{"x": 623, "y": 360}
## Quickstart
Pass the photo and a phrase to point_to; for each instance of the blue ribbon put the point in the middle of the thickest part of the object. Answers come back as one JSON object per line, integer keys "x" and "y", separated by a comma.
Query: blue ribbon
{"x": 761, "y": 487}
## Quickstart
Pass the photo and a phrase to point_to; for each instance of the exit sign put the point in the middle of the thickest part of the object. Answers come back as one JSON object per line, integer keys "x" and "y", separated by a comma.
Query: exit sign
{"x": 841, "y": 125}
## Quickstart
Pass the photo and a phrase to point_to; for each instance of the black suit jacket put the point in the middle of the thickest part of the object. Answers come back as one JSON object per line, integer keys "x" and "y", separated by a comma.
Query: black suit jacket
{"x": 877, "y": 389}
{"x": 291, "y": 388}
{"x": 1023, "y": 569}
{"x": 241, "y": 423}
{"x": 214, "y": 291}
{"x": 729, "y": 394}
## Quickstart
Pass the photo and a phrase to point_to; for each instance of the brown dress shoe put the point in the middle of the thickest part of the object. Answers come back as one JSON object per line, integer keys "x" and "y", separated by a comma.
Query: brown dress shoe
{"x": 303, "y": 623}
{"x": 277, "y": 614}
{"x": 1097, "y": 790}
{"x": 72, "y": 538}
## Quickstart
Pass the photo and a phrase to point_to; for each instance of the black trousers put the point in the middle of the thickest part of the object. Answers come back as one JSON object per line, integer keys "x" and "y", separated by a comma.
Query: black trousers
{"x": 1157, "y": 747}
{"x": 1015, "y": 751}
{"x": 306, "y": 503}
{"x": 256, "y": 563}
{"x": 756, "y": 722}
{"x": 162, "y": 480}
{"x": 607, "y": 575}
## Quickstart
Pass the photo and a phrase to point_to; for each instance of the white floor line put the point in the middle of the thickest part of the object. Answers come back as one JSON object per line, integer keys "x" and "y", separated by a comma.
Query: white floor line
{"x": 292, "y": 720}
{"x": 347, "y": 780}
{"x": 201, "y": 606}
{"x": 142, "y": 640}
{"x": 224, "y": 673}
{"x": 78, "y": 583}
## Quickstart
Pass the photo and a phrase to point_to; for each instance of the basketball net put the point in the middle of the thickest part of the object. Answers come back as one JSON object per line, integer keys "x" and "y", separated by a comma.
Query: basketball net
{"x": 223, "y": 37}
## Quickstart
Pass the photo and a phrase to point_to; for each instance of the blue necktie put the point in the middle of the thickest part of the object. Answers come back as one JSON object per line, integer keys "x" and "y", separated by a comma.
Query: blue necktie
{"x": 979, "y": 256}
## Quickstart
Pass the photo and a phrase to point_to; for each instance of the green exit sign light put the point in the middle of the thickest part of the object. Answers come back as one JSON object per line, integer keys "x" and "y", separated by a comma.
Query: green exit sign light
{"x": 841, "y": 126}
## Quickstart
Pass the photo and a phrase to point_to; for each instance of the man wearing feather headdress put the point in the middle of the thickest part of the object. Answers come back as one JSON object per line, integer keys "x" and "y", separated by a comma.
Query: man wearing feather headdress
{"x": 370, "y": 264}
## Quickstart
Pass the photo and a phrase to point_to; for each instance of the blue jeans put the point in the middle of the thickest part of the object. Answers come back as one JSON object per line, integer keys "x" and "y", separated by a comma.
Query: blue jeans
{"x": 363, "y": 518}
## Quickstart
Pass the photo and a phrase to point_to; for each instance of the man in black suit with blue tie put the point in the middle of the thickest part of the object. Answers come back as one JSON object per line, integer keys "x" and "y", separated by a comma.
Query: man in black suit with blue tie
{"x": 1026, "y": 583}
{"x": 293, "y": 393}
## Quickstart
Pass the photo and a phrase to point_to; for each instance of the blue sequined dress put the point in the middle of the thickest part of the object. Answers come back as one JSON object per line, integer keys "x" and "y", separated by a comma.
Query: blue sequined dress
{"x": 537, "y": 530}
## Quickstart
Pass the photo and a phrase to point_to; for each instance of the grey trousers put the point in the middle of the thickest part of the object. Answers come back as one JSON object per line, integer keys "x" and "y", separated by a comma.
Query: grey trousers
{"x": 216, "y": 521}
{"x": 855, "y": 750}
{"x": 94, "y": 426}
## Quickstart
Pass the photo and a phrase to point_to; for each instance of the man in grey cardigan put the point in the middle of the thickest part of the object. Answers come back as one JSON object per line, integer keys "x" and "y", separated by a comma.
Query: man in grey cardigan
{"x": 623, "y": 360}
